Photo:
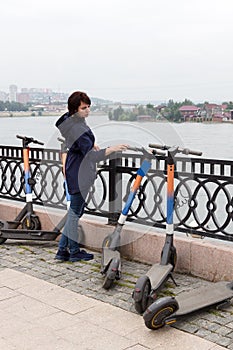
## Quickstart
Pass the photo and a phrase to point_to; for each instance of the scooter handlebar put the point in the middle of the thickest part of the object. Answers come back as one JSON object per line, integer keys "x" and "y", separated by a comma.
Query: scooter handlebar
{"x": 189, "y": 151}
{"x": 29, "y": 139}
{"x": 145, "y": 151}
{"x": 60, "y": 139}
{"x": 185, "y": 151}
{"x": 155, "y": 145}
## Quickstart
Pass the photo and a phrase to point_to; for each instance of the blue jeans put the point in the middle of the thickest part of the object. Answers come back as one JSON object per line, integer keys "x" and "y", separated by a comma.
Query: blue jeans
{"x": 69, "y": 238}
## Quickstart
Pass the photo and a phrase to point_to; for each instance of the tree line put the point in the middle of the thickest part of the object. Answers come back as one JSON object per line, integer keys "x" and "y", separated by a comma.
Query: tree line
{"x": 170, "y": 111}
{"x": 13, "y": 106}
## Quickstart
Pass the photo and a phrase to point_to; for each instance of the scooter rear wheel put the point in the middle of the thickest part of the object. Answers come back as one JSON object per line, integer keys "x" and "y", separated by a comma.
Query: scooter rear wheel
{"x": 111, "y": 273}
{"x": 157, "y": 313}
{"x": 141, "y": 294}
{"x": 158, "y": 320}
{"x": 2, "y": 224}
{"x": 2, "y": 240}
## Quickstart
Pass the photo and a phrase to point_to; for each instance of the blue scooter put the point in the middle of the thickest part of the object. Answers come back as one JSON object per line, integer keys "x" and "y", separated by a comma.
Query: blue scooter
{"x": 111, "y": 261}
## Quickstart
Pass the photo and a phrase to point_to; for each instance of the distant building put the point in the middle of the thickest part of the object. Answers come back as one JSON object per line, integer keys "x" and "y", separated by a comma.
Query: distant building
{"x": 23, "y": 97}
{"x": 216, "y": 113}
{"x": 125, "y": 106}
{"x": 13, "y": 93}
{"x": 3, "y": 96}
{"x": 209, "y": 112}
{"x": 160, "y": 107}
{"x": 189, "y": 112}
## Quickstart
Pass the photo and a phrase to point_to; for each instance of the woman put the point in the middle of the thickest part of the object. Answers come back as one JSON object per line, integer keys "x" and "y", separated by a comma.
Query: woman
{"x": 80, "y": 170}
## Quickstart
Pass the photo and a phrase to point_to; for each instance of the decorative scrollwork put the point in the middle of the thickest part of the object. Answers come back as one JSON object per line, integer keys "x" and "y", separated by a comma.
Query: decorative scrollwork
{"x": 203, "y": 191}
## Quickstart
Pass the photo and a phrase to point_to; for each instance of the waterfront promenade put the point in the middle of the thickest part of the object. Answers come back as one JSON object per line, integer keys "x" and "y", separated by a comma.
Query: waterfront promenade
{"x": 50, "y": 305}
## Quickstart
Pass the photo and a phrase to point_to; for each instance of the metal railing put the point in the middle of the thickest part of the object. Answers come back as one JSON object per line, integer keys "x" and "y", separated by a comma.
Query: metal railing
{"x": 203, "y": 189}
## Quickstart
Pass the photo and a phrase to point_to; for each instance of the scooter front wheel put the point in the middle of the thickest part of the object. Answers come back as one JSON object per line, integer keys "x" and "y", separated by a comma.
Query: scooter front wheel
{"x": 32, "y": 224}
{"x": 141, "y": 294}
{"x": 111, "y": 273}
{"x": 157, "y": 314}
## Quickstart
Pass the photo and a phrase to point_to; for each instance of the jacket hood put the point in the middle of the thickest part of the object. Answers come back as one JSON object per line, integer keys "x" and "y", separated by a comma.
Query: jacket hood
{"x": 71, "y": 128}
{"x": 62, "y": 119}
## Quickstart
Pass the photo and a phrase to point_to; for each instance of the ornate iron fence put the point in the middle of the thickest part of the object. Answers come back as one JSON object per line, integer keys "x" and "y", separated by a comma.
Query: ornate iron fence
{"x": 203, "y": 189}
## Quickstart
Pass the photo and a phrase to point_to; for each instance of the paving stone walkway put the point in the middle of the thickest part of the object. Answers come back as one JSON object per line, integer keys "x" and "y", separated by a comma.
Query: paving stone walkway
{"x": 37, "y": 259}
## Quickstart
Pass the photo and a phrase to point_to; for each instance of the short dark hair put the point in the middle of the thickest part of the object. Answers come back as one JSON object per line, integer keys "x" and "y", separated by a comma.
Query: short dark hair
{"x": 75, "y": 99}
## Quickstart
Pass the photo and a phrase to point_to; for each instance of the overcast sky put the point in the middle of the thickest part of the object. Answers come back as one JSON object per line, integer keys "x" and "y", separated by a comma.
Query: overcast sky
{"x": 120, "y": 50}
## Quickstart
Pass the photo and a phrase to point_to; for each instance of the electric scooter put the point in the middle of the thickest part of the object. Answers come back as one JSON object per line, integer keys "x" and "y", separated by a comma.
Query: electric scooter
{"x": 148, "y": 286}
{"x": 168, "y": 310}
{"x": 27, "y": 225}
{"x": 111, "y": 261}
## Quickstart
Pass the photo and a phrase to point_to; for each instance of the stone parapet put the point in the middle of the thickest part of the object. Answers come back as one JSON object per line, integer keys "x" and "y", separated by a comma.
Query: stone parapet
{"x": 205, "y": 258}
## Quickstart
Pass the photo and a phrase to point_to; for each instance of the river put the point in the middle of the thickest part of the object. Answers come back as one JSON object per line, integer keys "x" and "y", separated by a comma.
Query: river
{"x": 213, "y": 139}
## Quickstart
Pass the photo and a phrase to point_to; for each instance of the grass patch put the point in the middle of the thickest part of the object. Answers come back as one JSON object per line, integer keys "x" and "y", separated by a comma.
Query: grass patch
{"x": 94, "y": 269}
{"x": 50, "y": 252}
{"x": 167, "y": 293}
{"x": 131, "y": 275}
{"x": 123, "y": 284}
{"x": 169, "y": 285}
{"x": 96, "y": 265}
{"x": 215, "y": 312}
{"x": 27, "y": 249}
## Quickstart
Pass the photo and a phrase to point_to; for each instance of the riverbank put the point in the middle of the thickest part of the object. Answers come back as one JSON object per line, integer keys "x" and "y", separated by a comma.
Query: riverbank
{"x": 6, "y": 114}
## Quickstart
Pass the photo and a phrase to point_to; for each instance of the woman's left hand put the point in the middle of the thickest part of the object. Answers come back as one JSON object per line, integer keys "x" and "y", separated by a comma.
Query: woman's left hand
{"x": 96, "y": 147}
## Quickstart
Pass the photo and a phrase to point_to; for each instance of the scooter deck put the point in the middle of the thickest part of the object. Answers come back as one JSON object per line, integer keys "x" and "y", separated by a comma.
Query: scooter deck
{"x": 158, "y": 274}
{"x": 35, "y": 235}
{"x": 204, "y": 297}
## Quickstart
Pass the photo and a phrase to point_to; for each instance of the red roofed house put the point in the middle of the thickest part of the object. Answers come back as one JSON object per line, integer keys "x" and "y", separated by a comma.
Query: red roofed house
{"x": 189, "y": 112}
{"x": 216, "y": 113}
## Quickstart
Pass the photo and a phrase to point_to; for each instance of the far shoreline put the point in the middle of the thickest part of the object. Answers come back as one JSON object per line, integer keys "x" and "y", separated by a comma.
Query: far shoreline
{"x": 36, "y": 114}
{"x": 6, "y": 114}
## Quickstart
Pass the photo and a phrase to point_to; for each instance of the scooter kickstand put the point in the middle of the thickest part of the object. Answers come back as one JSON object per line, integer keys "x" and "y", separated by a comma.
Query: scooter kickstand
{"x": 173, "y": 280}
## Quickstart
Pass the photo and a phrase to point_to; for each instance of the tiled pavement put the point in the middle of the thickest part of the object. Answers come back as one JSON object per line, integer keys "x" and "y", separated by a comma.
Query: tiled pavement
{"x": 37, "y": 259}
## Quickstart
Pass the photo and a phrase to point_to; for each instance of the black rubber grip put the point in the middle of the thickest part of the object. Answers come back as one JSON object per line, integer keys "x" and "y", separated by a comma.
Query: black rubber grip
{"x": 39, "y": 142}
{"x": 158, "y": 153}
{"x": 154, "y": 145}
{"x": 189, "y": 151}
{"x": 29, "y": 139}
